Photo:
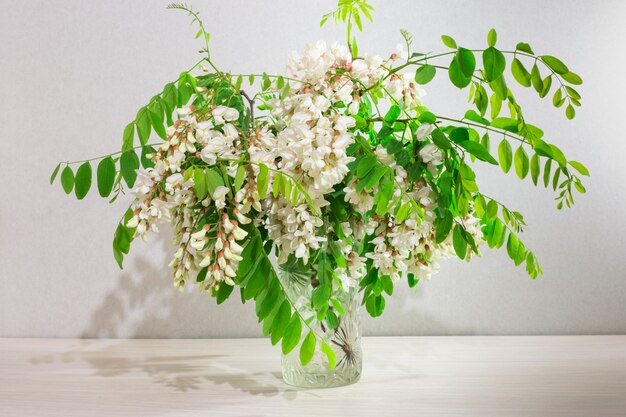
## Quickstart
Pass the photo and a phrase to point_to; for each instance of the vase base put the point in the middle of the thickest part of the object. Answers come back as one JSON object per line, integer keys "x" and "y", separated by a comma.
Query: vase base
{"x": 319, "y": 380}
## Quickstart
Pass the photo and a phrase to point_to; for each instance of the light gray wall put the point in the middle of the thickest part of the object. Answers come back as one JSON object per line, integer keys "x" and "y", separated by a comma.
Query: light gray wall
{"x": 73, "y": 73}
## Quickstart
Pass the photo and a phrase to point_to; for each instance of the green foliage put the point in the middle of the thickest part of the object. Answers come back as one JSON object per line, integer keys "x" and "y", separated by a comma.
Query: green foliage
{"x": 521, "y": 163}
{"x": 350, "y": 12}
{"x": 307, "y": 349}
{"x": 281, "y": 321}
{"x": 458, "y": 242}
{"x": 122, "y": 238}
{"x": 494, "y": 63}
{"x": 54, "y": 173}
{"x": 505, "y": 155}
{"x": 82, "y": 182}
{"x": 67, "y": 179}
{"x": 106, "y": 176}
{"x": 492, "y": 38}
{"x": 129, "y": 163}
{"x": 462, "y": 67}
{"x": 448, "y": 41}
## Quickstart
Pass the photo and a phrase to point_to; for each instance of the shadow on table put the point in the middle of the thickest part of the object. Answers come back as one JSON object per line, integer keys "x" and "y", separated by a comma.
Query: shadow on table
{"x": 145, "y": 304}
{"x": 179, "y": 372}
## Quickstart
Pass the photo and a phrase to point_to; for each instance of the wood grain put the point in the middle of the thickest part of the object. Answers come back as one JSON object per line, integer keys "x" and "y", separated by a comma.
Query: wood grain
{"x": 403, "y": 376}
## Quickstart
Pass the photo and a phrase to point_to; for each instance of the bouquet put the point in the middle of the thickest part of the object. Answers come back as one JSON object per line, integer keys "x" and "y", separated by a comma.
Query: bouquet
{"x": 334, "y": 174}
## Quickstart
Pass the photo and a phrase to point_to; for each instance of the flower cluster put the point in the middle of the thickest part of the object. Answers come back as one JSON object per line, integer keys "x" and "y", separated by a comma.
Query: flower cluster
{"x": 308, "y": 140}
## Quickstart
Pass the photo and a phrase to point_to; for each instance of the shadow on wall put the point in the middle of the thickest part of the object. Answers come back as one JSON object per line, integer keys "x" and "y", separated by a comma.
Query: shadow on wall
{"x": 145, "y": 304}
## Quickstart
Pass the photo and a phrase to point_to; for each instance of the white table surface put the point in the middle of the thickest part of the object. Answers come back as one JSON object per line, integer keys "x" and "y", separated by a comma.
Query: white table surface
{"x": 402, "y": 376}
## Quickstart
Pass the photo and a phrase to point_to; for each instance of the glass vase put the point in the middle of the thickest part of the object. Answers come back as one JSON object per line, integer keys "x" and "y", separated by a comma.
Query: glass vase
{"x": 345, "y": 340}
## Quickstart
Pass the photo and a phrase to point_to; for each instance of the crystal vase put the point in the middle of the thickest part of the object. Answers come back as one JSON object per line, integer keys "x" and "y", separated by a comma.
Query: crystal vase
{"x": 345, "y": 340}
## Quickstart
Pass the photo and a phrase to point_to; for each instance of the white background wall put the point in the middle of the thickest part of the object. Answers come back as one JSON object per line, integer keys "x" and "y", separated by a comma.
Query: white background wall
{"x": 73, "y": 73}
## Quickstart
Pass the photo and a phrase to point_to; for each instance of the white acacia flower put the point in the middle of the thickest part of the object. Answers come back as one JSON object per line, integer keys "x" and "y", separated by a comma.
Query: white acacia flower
{"x": 219, "y": 196}
{"x": 223, "y": 113}
{"x": 144, "y": 183}
{"x": 424, "y": 130}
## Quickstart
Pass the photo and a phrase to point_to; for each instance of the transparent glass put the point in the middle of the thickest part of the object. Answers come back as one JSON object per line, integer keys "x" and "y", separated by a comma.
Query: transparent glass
{"x": 345, "y": 341}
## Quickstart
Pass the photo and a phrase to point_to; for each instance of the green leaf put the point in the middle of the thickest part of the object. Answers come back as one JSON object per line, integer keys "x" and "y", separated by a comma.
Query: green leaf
{"x": 392, "y": 115}
{"x": 532, "y": 266}
{"x": 366, "y": 164}
{"x": 129, "y": 136}
{"x": 535, "y": 78}
{"x": 492, "y": 210}
{"x": 546, "y": 172}
{"x": 456, "y": 76}
{"x": 82, "y": 181}
{"x": 320, "y": 296}
{"x": 427, "y": 117}
{"x": 448, "y": 41}
{"x": 478, "y": 151}
{"x": 572, "y": 93}
{"x": 199, "y": 183}
{"x": 515, "y": 249}
{"x": 557, "y": 99}
{"x": 213, "y": 180}
{"x": 521, "y": 75}
{"x": 524, "y": 47}
{"x": 129, "y": 163}
{"x": 330, "y": 355}
{"x": 505, "y": 123}
{"x": 67, "y": 179}
{"x": 505, "y": 155}
{"x": 570, "y": 112}
{"x": 292, "y": 335}
{"x": 280, "y": 322}
{"x": 496, "y": 105}
{"x": 521, "y": 162}
{"x": 535, "y": 168}
{"x": 492, "y": 37}
{"x": 262, "y": 180}
{"x": 579, "y": 167}
{"x": 494, "y": 63}
{"x": 307, "y": 349}
{"x": 170, "y": 96}
{"x": 331, "y": 319}
{"x": 444, "y": 225}
{"x": 459, "y": 135}
{"x": 156, "y": 119}
{"x": 403, "y": 212}
{"x": 143, "y": 125}
{"x": 440, "y": 139}
{"x": 54, "y": 173}
{"x": 547, "y": 83}
{"x": 555, "y": 64}
{"x": 239, "y": 177}
{"x": 459, "y": 242}
{"x": 375, "y": 305}
{"x": 572, "y": 78}
{"x": 106, "y": 176}
{"x": 145, "y": 161}
{"x": 467, "y": 61}
{"x": 223, "y": 292}
{"x": 424, "y": 74}
{"x": 265, "y": 82}
{"x": 500, "y": 88}
{"x": 475, "y": 117}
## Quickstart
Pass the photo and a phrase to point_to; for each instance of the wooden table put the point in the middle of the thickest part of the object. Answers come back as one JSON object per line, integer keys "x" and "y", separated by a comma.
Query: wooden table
{"x": 403, "y": 376}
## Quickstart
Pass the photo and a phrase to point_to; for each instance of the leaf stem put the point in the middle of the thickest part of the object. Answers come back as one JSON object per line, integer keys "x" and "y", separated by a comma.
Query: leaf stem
{"x": 105, "y": 156}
